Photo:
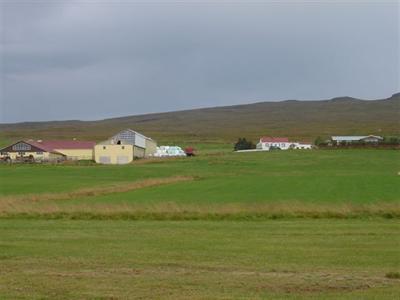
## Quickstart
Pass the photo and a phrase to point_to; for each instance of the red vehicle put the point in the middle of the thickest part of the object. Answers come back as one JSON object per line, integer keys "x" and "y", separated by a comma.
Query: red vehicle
{"x": 189, "y": 151}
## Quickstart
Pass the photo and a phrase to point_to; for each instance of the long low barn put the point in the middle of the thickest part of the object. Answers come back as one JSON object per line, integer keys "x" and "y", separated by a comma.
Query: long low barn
{"x": 48, "y": 150}
{"x": 347, "y": 139}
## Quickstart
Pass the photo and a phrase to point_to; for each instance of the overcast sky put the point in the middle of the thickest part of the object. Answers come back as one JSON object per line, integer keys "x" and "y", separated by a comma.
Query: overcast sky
{"x": 97, "y": 59}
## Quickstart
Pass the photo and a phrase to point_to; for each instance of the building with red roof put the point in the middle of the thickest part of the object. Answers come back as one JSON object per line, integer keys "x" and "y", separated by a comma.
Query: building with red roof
{"x": 267, "y": 143}
{"x": 267, "y": 139}
{"x": 49, "y": 150}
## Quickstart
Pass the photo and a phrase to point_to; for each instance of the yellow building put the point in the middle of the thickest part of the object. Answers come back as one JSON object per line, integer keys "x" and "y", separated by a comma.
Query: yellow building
{"x": 124, "y": 147}
{"x": 48, "y": 150}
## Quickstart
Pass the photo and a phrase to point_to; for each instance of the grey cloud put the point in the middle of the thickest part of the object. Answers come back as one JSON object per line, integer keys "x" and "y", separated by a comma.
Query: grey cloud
{"x": 91, "y": 60}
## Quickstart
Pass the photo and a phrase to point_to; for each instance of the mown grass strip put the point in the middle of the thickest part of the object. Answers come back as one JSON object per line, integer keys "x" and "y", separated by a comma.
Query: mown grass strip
{"x": 174, "y": 211}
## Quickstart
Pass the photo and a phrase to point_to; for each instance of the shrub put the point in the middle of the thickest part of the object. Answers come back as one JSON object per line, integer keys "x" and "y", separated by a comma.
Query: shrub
{"x": 393, "y": 275}
{"x": 391, "y": 140}
{"x": 243, "y": 144}
{"x": 318, "y": 141}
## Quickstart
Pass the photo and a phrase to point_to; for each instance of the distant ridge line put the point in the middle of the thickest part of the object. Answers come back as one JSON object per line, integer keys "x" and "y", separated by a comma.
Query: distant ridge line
{"x": 295, "y": 119}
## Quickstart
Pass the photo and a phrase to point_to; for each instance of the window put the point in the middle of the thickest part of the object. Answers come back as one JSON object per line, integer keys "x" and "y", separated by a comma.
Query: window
{"x": 104, "y": 147}
{"x": 21, "y": 146}
{"x": 21, "y": 153}
{"x": 39, "y": 153}
{"x": 4, "y": 153}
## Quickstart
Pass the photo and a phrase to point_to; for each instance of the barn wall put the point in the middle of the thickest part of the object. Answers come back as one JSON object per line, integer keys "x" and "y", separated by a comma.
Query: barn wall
{"x": 113, "y": 154}
{"x": 77, "y": 154}
{"x": 44, "y": 156}
{"x": 151, "y": 147}
{"x": 138, "y": 152}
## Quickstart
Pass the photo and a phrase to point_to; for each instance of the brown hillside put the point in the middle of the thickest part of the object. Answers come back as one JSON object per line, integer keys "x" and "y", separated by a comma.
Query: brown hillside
{"x": 295, "y": 119}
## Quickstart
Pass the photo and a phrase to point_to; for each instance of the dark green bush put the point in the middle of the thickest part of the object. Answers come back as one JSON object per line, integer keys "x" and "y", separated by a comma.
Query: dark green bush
{"x": 243, "y": 144}
{"x": 393, "y": 275}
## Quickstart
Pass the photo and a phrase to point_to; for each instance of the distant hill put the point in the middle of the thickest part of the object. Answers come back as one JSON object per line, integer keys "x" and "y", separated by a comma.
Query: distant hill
{"x": 295, "y": 119}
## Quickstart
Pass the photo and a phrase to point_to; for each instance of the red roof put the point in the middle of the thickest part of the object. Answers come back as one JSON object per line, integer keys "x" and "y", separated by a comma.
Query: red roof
{"x": 50, "y": 146}
{"x": 267, "y": 139}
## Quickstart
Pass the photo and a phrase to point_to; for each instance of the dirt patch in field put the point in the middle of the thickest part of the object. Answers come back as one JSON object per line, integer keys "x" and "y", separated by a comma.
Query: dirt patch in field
{"x": 95, "y": 191}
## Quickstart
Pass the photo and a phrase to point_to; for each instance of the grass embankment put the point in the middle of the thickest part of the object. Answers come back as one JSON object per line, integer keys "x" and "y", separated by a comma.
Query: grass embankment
{"x": 302, "y": 259}
{"x": 306, "y": 184}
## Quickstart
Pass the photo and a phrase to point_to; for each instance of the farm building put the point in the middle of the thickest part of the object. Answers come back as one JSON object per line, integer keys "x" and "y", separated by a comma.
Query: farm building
{"x": 278, "y": 142}
{"x": 283, "y": 143}
{"x": 356, "y": 139}
{"x": 48, "y": 150}
{"x": 123, "y": 147}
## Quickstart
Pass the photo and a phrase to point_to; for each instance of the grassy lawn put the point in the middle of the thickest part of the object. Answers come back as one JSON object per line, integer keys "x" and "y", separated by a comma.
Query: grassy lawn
{"x": 333, "y": 176}
{"x": 242, "y": 181}
{"x": 66, "y": 231}
{"x": 330, "y": 259}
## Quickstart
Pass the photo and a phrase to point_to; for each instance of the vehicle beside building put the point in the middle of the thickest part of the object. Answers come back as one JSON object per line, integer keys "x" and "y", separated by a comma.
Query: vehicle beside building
{"x": 124, "y": 147}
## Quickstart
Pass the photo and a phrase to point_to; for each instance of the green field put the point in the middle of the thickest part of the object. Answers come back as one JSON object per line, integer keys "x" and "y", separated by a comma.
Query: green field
{"x": 215, "y": 182}
{"x": 283, "y": 224}
{"x": 328, "y": 259}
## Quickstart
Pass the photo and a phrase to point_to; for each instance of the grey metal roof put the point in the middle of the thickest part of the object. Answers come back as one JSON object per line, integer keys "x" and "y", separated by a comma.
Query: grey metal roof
{"x": 354, "y": 137}
{"x": 127, "y": 137}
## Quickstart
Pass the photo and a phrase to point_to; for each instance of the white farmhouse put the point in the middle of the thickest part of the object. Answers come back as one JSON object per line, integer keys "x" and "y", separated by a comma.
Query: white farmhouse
{"x": 282, "y": 143}
{"x": 277, "y": 142}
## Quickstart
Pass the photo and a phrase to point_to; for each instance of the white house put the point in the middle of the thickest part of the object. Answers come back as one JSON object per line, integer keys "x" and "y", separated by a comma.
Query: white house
{"x": 278, "y": 142}
{"x": 357, "y": 139}
{"x": 282, "y": 143}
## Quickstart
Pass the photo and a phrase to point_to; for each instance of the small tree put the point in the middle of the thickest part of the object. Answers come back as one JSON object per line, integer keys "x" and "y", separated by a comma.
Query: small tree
{"x": 243, "y": 144}
{"x": 391, "y": 140}
{"x": 318, "y": 141}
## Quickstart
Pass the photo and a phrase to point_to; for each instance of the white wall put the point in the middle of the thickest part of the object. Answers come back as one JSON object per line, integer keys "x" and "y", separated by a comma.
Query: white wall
{"x": 283, "y": 146}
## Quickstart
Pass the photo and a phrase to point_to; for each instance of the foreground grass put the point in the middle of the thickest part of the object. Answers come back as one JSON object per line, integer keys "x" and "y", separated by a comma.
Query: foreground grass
{"x": 337, "y": 236}
{"x": 197, "y": 259}
{"x": 311, "y": 184}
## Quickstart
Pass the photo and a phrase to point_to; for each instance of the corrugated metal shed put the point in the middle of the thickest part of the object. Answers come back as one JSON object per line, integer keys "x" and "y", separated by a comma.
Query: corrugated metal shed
{"x": 344, "y": 138}
{"x": 128, "y": 137}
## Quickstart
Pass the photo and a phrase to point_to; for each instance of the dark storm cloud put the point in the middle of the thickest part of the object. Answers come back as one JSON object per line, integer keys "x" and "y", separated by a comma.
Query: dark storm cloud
{"x": 95, "y": 59}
